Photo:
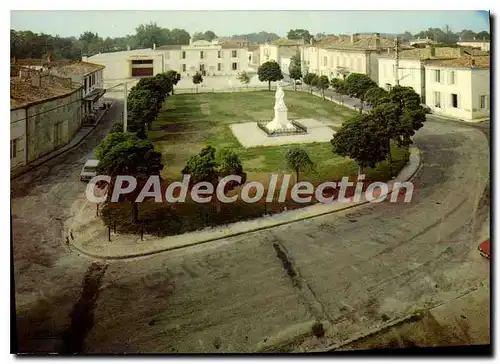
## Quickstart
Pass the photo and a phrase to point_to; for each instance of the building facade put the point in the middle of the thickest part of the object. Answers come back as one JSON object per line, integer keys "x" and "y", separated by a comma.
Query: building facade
{"x": 338, "y": 56}
{"x": 482, "y": 45}
{"x": 459, "y": 88}
{"x": 208, "y": 58}
{"x": 46, "y": 113}
{"x": 89, "y": 75}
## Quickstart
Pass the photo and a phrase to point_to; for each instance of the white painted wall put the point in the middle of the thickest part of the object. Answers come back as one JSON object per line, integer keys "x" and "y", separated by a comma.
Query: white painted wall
{"x": 469, "y": 85}
{"x": 484, "y": 46}
{"x": 326, "y": 61}
{"x": 411, "y": 74}
{"x": 480, "y": 81}
{"x": 269, "y": 52}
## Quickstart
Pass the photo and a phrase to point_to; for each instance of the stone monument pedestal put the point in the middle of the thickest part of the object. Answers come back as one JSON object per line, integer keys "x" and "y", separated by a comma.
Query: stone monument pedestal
{"x": 280, "y": 120}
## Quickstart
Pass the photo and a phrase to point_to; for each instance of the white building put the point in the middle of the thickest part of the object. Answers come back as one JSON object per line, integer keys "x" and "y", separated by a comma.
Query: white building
{"x": 411, "y": 71}
{"x": 285, "y": 48}
{"x": 337, "y": 56}
{"x": 459, "y": 88}
{"x": 484, "y": 45}
{"x": 209, "y": 58}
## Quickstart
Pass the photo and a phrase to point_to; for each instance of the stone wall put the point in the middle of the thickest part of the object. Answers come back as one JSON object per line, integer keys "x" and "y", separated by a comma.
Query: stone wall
{"x": 52, "y": 124}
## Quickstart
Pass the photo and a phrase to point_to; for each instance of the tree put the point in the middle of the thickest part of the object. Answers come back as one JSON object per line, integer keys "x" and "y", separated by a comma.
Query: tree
{"x": 363, "y": 140}
{"x": 309, "y": 79}
{"x": 483, "y": 35}
{"x": 401, "y": 115}
{"x": 338, "y": 86}
{"x": 270, "y": 71}
{"x": 149, "y": 34}
{"x": 117, "y": 128}
{"x": 244, "y": 78}
{"x": 210, "y": 166}
{"x": 259, "y": 38}
{"x": 142, "y": 106}
{"x": 297, "y": 159}
{"x": 197, "y": 79}
{"x": 356, "y": 85}
{"x": 299, "y": 34}
{"x": 174, "y": 78}
{"x": 111, "y": 140}
{"x": 323, "y": 83}
{"x": 295, "y": 70}
{"x": 179, "y": 36}
{"x": 135, "y": 158}
{"x": 208, "y": 36}
{"x": 376, "y": 96}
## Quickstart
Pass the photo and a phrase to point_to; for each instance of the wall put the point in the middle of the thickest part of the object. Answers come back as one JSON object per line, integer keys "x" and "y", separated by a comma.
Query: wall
{"x": 353, "y": 62}
{"x": 480, "y": 81}
{"x": 18, "y": 133}
{"x": 285, "y": 65}
{"x": 462, "y": 87}
{"x": 268, "y": 52}
{"x": 174, "y": 60}
{"x": 42, "y": 119}
{"x": 410, "y": 74}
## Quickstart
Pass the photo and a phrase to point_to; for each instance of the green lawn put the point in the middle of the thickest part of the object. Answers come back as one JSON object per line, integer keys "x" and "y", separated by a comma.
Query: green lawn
{"x": 188, "y": 122}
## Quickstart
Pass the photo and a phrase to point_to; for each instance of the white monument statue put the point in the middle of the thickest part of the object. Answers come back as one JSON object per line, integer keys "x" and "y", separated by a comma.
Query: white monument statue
{"x": 280, "y": 120}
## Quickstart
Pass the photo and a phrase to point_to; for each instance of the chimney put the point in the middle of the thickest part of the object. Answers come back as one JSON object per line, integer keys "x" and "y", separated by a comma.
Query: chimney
{"x": 128, "y": 47}
{"x": 311, "y": 41}
{"x": 354, "y": 37}
{"x": 433, "y": 51}
{"x": 377, "y": 40}
{"x": 35, "y": 79}
{"x": 154, "y": 46}
{"x": 459, "y": 52}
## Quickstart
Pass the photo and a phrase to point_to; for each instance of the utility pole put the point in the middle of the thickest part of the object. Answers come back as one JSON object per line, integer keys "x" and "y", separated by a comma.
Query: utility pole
{"x": 396, "y": 56}
{"x": 125, "y": 116}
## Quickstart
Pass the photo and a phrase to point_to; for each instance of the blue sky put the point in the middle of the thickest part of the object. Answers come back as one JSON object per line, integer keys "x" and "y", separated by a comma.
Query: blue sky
{"x": 225, "y": 23}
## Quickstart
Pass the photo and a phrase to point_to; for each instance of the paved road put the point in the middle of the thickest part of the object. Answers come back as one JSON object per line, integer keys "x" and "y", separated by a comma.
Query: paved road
{"x": 354, "y": 270}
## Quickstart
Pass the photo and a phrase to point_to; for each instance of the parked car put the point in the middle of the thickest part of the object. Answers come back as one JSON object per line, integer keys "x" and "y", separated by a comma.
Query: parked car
{"x": 484, "y": 249}
{"x": 89, "y": 170}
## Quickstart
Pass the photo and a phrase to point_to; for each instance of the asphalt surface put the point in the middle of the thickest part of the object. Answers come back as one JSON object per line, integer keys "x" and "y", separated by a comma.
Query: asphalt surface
{"x": 353, "y": 270}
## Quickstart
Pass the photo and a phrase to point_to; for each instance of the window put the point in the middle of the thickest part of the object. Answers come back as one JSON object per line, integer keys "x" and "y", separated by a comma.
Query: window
{"x": 235, "y": 66}
{"x": 85, "y": 84}
{"x": 13, "y": 148}
{"x": 325, "y": 61}
{"x": 437, "y": 76}
{"x": 235, "y": 53}
{"x": 183, "y": 54}
{"x": 452, "y": 77}
{"x": 184, "y": 68}
{"x": 219, "y": 54}
{"x": 93, "y": 79}
{"x": 219, "y": 67}
{"x": 201, "y": 54}
{"x": 437, "y": 99}
{"x": 454, "y": 100}
{"x": 142, "y": 61}
{"x": 482, "y": 102}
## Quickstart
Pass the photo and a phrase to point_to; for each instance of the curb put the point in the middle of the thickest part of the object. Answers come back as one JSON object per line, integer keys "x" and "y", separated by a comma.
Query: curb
{"x": 36, "y": 165}
{"x": 222, "y": 235}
